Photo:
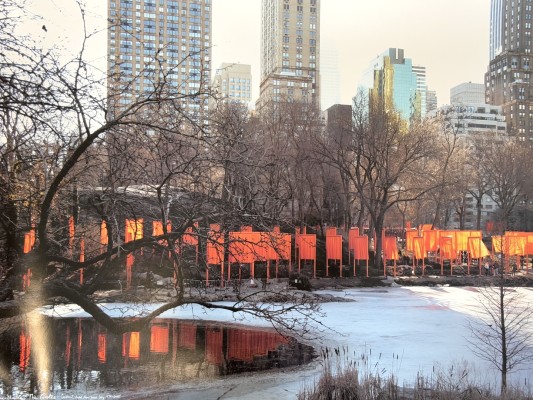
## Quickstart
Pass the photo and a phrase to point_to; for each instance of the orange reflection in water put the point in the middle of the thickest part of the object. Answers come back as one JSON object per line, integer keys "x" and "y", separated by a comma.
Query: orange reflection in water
{"x": 131, "y": 345}
{"x": 159, "y": 339}
{"x": 244, "y": 344}
{"x": 25, "y": 347}
{"x": 102, "y": 347}
{"x": 187, "y": 336}
{"x": 213, "y": 345}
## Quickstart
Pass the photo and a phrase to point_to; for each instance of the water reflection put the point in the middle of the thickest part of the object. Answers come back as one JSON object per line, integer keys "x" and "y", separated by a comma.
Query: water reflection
{"x": 81, "y": 355}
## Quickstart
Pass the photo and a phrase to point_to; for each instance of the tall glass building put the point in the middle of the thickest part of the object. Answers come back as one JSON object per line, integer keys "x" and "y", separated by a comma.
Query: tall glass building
{"x": 393, "y": 78}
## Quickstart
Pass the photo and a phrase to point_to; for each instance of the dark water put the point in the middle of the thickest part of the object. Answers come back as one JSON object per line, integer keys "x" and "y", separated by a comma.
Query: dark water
{"x": 69, "y": 355}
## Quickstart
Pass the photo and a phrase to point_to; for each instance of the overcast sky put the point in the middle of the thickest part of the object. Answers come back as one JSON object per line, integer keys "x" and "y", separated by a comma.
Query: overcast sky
{"x": 450, "y": 38}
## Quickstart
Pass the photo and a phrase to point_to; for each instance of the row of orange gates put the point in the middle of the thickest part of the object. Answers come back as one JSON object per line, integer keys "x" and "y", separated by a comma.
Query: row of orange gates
{"x": 451, "y": 244}
{"x": 242, "y": 247}
{"x": 248, "y": 247}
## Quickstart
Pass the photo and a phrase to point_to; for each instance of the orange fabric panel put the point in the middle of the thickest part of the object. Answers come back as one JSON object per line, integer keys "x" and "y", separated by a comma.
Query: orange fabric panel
{"x": 447, "y": 251}
{"x": 102, "y": 348}
{"x": 461, "y": 239}
{"x": 241, "y": 247}
{"x": 134, "y": 230}
{"x": 510, "y": 245}
{"x": 157, "y": 228}
{"x": 408, "y": 225}
{"x": 390, "y": 248}
{"x": 306, "y": 246}
{"x": 276, "y": 246}
{"x": 498, "y": 243}
{"x": 426, "y": 227}
{"x": 284, "y": 249}
{"x": 261, "y": 247}
{"x": 29, "y": 240}
{"x": 529, "y": 244}
{"x": 334, "y": 247}
{"x": 516, "y": 233}
{"x": 477, "y": 248}
{"x": 517, "y": 245}
{"x": 431, "y": 240}
{"x": 418, "y": 247}
{"x": 71, "y": 232}
{"x": 213, "y": 345}
{"x": 190, "y": 237}
{"x": 159, "y": 338}
{"x": 276, "y": 229}
{"x": 246, "y": 228}
{"x": 361, "y": 248}
{"x": 409, "y": 239}
{"x": 331, "y": 231}
{"x": 215, "y": 246}
{"x": 103, "y": 234}
{"x": 82, "y": 250}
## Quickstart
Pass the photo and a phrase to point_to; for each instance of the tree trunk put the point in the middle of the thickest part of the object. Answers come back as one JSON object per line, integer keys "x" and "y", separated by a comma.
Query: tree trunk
{"x": 478, "y": 216}
{"x": 503, "y": 339}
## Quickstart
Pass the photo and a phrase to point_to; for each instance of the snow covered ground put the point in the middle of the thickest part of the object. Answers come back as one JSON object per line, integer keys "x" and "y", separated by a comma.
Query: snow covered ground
{"x": 401, "y": 331}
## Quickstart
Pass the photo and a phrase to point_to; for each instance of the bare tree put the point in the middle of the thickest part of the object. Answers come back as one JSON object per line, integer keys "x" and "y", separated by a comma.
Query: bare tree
{"x": 288, "y": 130}
{"x": 384, "y": 160}
{"x": 507, "y": 163}
{"x": 448, "y": 159}
{"x": 502, "y": 336}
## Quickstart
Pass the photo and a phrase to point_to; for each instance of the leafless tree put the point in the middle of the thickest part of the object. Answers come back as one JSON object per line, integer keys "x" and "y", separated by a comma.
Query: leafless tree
{"x": 507, "y": 163}
{"x": 447, "y": 165}
{"x": 384, "y": 160}
{"x": 288, "y": 130}
{"x": 502, "y": 336}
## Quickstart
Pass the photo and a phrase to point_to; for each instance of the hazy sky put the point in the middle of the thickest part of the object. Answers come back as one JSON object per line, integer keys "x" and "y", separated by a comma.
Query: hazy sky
{"x": 450, "y": 38}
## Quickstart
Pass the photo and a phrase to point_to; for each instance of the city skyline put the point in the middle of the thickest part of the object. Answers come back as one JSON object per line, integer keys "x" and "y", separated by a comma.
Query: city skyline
{"x": 452, "y": 45}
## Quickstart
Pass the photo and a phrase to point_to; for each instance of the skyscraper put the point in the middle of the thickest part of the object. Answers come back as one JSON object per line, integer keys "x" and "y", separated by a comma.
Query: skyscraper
{"x": 290, "y": 51}
{"x": 151, "y": 42}
{"x": 421, "y": 87}
{"x": 508, "y": 78}
{"x": 392, "y": 78}
{"x": 467, "y": 93}
{"x": 431, "y": 101}
{"x": 233, "y": 82}
{"x": 495, "y": 43}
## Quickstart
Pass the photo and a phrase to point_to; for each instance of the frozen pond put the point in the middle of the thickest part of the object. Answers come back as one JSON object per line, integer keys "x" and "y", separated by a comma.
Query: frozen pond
{"x": 403, "y": 331}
